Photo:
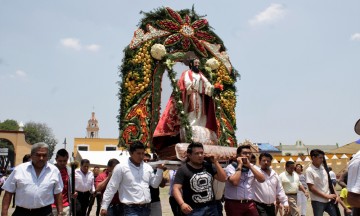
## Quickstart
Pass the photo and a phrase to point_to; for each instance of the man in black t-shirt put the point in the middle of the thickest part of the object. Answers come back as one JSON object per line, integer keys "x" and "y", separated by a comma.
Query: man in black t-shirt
{"x": 195, "y": 180}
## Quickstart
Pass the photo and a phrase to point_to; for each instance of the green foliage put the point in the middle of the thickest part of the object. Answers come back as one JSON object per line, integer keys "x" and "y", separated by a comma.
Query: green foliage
{"x": 40, "y": 132}
{"x": 10, "y": 125}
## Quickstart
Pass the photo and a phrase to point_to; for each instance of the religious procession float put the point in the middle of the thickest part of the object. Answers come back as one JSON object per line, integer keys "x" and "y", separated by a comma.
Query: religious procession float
{"x": 202, "y": 104}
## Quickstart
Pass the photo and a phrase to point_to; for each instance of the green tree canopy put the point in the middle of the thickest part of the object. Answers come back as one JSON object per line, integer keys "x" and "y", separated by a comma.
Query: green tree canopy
{"x": 40, "y": 132}
{"x": 9, "y": 124}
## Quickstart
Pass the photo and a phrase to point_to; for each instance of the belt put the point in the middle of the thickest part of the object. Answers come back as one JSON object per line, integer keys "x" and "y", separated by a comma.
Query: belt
{"x": 291, "y": 194}
{"x": 264, "y": 204}
{"x": 22, "y": 209}
{"x": 83, "y": 192}
{"x": 239, "y": 201}
{"x": 144, "y": 205}
{"x": 115, "y": 204}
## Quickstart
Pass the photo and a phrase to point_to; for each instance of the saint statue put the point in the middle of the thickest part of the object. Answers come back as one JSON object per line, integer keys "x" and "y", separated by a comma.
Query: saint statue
{"x": 196, "y": 95}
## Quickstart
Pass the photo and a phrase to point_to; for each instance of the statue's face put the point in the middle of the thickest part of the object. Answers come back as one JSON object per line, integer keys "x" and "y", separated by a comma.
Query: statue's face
{"x": 195, "y": 66}
{"x": 196, "y": 63}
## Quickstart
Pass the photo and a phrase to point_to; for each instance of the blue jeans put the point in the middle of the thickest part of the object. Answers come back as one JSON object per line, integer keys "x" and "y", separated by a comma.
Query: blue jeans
{"x": 135, "y": 210}
{"x": 209, "y": 210}
{"x": 115, "y": 210}
{"x": 319, "y": 208}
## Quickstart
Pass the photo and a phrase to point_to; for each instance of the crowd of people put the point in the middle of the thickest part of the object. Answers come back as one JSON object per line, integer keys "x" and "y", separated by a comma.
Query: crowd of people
{"x": 201, "y": 186}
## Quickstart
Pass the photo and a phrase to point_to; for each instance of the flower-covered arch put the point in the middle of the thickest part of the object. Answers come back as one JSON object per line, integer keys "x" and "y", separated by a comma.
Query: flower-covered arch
{"x": 163, "y": 38}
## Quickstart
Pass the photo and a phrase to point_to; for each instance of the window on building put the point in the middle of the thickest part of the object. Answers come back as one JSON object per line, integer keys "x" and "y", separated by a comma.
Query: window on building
{"x": 83, "y": 148}
{"x": 111, "y": 148}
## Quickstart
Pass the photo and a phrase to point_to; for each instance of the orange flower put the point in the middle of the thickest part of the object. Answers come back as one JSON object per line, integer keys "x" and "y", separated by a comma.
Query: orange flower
{"x": 219, "y": 86}
{"x": 139, "y": 112}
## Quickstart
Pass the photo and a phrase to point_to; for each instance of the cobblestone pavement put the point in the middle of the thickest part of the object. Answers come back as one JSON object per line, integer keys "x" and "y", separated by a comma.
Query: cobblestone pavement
{"x": 166, "y": 207}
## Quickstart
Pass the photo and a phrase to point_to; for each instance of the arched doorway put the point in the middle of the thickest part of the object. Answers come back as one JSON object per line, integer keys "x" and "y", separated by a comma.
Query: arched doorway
{"x": 7, "y": 154}
{"x": 15, "y": 140}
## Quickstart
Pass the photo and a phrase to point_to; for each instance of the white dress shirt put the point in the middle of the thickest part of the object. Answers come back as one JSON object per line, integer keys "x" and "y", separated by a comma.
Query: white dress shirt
{"x": 34, "y": 191}
{"x": 132, "y": 183}
{"x": 354, "y": 173}
{"x": 84, "y": 182}
{"x": 271, "y": 188}
{"x": 244, "y": 190}
{"x": 332, "y": 175}
{"x": 219, "y": 189}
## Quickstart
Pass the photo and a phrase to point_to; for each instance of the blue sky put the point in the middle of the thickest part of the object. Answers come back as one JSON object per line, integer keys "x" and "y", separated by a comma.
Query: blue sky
{"x": 298, "y": 60}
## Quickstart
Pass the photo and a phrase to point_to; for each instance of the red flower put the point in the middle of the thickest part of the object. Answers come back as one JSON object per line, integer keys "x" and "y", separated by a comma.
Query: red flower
{"x": 219, "y": 86}
{"x": 186, "y": 32}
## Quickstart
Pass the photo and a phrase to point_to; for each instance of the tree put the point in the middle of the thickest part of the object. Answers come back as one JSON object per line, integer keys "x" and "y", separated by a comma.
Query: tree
{"x": 40, "y": 132}
{"x": 9, "y": 124}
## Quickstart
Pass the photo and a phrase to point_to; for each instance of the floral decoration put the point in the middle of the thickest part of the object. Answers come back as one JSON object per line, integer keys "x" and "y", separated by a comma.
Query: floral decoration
{"x": 213, "y": 63}
{"x": 158, "y": 51}
{"x": 185, "y": 31}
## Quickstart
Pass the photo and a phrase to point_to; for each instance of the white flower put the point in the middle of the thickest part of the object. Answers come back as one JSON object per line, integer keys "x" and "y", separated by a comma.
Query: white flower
{"x": 158, "y": 51}
{"x": 213, "y": 63}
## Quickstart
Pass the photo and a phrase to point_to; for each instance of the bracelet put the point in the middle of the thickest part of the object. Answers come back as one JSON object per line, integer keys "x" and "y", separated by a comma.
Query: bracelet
{"x": 182, "y": 204}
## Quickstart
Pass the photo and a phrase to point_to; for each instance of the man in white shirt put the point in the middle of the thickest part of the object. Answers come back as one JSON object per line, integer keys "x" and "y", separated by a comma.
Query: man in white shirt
{"x": 132, "y": 179}
{"x": 291, "y": 183}
{"x": 265, "y": 193}
{"x": 239, "y": 185}
{"x": 353, "y": 184}
{"x": 84, "y": 186}
{"x": 318, "y": 182}
{"x": 332, "y": 176}
{"x": 35, "y": 183}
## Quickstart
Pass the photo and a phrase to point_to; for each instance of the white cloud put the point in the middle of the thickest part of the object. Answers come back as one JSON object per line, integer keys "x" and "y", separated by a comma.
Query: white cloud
{"x": 93, "y": 47}
{"x": 75, "y": 44}
{"x": 19, "y": 74}
{"x": 271, "y": 14}
{"x": 355, "y": 37}
{"x": 72, "y": 43}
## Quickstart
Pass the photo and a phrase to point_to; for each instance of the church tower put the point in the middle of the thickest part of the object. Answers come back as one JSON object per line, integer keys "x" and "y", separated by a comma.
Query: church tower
{"x": 92, "y": 128}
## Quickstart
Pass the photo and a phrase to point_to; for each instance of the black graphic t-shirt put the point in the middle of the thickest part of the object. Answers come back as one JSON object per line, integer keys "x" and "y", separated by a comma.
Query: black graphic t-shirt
{"x": 196, "y": 184}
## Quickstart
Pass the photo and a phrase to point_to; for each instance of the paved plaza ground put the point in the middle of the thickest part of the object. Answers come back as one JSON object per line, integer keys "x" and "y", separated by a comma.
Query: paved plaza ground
{"x": 166, "y": 207}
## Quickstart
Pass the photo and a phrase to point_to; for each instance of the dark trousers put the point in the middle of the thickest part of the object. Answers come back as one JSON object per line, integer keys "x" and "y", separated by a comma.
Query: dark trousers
{"x": 98, "y": 204}
{"x": 219, "y": 207}
{"x": 83, "y": 200}
{"x": 13, "y": 200}
{"x": 44, "y": 211}
{"x": 175, "y": 208}
{"x": 115, "y": 210}
{"x": 319, "y": 208}
{"x": 355, "y": 211}
{"x": 137, "y": 210}
{"x": 265, "y": 209}
{"x": 208, "y": 210}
